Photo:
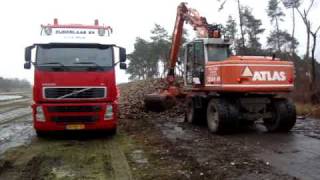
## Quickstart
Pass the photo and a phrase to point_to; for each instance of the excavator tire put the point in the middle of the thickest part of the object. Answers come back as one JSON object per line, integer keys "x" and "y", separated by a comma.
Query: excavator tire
{"x": 193, "y": 114}
{"x": 283, "y": 116}
{"x": 222, "y": 116}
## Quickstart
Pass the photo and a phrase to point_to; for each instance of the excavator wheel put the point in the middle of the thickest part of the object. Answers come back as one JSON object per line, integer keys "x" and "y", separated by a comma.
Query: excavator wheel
{"x": 193, "y": 114}
{"x": 222, "y": 116}
{"x": 158, "y": 102}
{"x": 283, "y": 116}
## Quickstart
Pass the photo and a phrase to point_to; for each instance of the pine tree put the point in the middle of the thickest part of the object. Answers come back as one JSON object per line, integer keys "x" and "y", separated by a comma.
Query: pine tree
{"x": 282, "y": 39}
{"x": 143, "y": 64}
{"x": 252, "y": 29}
{"x": 230, "y": 29}
{"x": 275, "y": 13}
{"x": 160, "y": 45}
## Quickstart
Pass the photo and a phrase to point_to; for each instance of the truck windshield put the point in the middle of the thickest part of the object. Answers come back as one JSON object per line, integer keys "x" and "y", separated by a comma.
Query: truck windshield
{"x": 74, "y": 57}
{"x": 217, "y": 52}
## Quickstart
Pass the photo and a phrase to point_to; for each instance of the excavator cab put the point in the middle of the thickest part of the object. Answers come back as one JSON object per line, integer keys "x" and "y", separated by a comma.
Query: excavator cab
{"x": 194, "y": 63}
{"x": 198, "y": 53}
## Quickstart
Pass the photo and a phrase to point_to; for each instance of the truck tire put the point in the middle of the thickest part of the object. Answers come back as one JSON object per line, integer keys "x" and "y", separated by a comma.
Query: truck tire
{"x": 112, "y": 132}
{"x": 283, "y": 116}
{"x": 195, "y": 115}
{"x": 222, "y": 116}
{"x": 41, "y": 134}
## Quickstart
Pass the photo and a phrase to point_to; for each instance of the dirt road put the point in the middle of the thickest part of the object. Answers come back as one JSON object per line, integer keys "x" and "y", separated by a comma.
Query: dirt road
{"x": 155, "y": 146}
{"x": 277, "y": 156}
{"x": 75, "y": 156}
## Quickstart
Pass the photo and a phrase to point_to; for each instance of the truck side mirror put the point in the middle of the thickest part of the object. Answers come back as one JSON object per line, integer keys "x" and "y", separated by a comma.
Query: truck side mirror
{"x": 123, "y": 65}
{"x": 27, "y": 53}
{"x": 27, "y": 65}
{"x": 122, "y": 55}
{"x": 27, "y": 57}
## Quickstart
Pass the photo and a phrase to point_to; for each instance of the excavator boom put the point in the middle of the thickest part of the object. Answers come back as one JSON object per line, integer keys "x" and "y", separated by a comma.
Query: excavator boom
{"x": 199, "y": 23}
{"x": 176, "y": 37}
{"x": 159, "y": 101}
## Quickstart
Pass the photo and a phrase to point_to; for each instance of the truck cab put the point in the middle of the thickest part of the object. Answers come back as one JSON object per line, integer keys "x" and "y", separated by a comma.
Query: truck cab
{"x": 74, "y": 78}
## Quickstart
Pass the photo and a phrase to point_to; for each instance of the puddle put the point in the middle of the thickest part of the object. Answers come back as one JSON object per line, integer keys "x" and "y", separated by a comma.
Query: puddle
{"x": 292, "y": 153}
{"x": 62, "y": 173}
{"x": 138, "y": 157}
{"x": 298, "y": 156}
{"x": 16, "y": 134}
{"x": 309, "y": 127}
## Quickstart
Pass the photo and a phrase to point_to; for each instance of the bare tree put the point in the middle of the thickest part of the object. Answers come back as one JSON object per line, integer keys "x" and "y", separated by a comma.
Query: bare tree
{"x": 292, "y": 4}
{"x": 304, "y": 16}
{"x": 242, "y": 39}
{"x": 313, "y": 71}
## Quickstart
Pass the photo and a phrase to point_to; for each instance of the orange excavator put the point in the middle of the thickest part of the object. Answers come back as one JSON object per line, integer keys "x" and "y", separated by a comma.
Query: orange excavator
{"x": 223, "y": 90}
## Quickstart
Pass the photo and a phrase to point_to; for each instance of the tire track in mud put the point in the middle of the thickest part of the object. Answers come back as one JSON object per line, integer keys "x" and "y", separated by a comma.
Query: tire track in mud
{"x": 67, "y": 158}
{"x": 119, "y": 163}
{"x": 14, "y": 114}
{"x": 16, "y": 132}
{"x": 12, "y": 102}
{"x": 15, "y": 124}
{"x": 10, "y": 108}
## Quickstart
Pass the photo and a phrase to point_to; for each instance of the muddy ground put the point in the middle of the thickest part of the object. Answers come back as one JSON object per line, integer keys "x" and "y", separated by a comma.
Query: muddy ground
{"x": 154, "y": 146}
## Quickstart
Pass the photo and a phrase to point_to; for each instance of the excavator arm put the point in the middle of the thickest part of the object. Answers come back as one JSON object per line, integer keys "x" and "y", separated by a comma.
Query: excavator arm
{"x": 161, "y": 100}
{"x": 199, "y": 23}
{"x": 176, "y": 40}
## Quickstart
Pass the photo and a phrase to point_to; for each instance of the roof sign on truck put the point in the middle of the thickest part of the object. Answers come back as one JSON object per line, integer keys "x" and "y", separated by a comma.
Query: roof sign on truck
{"x": 74, "y": 32}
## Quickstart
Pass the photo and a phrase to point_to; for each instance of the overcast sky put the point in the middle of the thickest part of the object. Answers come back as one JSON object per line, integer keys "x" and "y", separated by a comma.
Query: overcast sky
{"x": 20, "y": 22}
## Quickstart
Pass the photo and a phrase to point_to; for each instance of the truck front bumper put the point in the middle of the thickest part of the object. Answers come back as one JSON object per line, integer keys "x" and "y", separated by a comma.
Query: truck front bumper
{"x": 75, "y": 116}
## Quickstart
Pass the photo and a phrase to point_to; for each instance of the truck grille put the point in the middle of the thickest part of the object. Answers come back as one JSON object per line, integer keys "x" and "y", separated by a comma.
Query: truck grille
{"x": 73, "y": 119}
{"x": 74, "y": 108}
{"x": 74, "y": 93}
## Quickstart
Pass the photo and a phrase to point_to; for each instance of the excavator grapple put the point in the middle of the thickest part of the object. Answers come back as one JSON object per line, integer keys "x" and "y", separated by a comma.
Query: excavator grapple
{"x": 159, "y": 102}
{"x": 162, "y": 100}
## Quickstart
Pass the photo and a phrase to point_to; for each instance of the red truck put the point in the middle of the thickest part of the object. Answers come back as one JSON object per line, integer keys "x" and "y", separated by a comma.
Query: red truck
{"x": 74, "y": 78}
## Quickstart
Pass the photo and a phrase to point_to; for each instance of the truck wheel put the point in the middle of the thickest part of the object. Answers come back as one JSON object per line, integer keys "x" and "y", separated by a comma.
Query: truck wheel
{"x": 112, "y": 132}
{"x": 222, "y": 116}
{"x": 194, "y": 115}
{"x": 41, "y": 134}
{"x": 283, "y": 116}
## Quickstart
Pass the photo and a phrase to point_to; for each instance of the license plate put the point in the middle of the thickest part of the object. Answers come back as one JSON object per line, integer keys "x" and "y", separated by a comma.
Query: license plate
{"x": 75, "y": 126}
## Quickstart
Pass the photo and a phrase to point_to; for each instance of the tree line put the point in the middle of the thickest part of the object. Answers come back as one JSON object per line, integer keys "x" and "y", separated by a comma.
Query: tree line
{"x": 11, "y": 84}
{"x": 150, "y": 58}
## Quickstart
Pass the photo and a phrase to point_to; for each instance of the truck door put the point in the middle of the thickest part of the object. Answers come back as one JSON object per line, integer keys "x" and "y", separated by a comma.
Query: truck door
{"x": 195, "y": 63}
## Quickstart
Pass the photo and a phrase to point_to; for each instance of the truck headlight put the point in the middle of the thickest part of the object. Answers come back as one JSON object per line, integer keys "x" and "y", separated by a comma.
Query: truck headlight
{"x": 109, "y": 112}
{"x": 39, "y": 114}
